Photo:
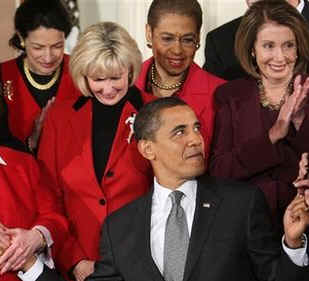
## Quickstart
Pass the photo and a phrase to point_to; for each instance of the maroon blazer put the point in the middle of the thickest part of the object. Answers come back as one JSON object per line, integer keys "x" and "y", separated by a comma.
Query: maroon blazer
{"x": 24, "y": 201}
{"x": 242, "y": 149}
{"x": 66, "y": 157}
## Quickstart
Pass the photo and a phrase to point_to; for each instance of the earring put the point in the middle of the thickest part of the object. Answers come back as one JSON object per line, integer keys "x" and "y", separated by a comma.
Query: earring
{"x": 22, "y": 43}
{"x": 252, "y": 54}
{"x": 197, "y": 46}
{"x": 149, "y": 45}
{"x": 130, "y": 77}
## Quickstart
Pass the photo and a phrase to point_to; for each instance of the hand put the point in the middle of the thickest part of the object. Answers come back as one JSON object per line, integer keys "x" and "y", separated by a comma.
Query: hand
{"x": 24, "y": 243}
{"x": 5, "y": 240}
{"x": 30, "y": 262}
{"x": 299, "y": 112}
{"x": 302, "y": 182}
{"x": 296, "y": 219}
{"x": 83, "y": 269}
{"x": 38, "y": 125}
{"x": 292, "y": 110}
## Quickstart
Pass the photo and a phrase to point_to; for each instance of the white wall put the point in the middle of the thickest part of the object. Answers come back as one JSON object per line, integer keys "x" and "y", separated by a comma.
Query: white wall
{"x": 132, "y": 15}
{"x": 7, "y": 10}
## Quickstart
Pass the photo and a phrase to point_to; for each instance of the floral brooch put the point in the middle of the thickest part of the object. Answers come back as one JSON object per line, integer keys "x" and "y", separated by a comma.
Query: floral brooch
{"x": 7, "y": 90}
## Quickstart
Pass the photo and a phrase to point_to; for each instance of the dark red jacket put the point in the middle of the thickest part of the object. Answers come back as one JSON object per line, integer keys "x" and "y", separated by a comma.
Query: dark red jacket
{"x": 66, "y": 153}
{"x": 26, "y": 201}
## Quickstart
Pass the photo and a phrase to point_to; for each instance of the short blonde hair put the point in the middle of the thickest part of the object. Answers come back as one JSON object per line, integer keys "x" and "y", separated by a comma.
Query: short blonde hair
{"x": 105, "y": 47}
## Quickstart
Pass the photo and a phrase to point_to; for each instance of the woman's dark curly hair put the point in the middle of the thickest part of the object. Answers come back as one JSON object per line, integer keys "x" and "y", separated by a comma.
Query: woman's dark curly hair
{"x": 32, "y": 14}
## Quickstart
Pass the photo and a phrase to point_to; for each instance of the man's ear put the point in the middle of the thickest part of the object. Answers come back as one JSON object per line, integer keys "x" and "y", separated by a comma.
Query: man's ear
{"x": 145, "y": 147}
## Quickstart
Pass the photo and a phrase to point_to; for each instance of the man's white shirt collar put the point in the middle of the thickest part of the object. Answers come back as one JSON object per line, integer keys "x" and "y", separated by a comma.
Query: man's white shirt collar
{"x": 300, "y": 6}
{"x": 161, "y": 193}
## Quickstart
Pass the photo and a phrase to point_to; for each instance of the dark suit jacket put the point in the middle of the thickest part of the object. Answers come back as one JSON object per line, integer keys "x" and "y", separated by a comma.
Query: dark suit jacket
{"x": 49, "y": 275}
{"x": 220, "y": 58}
{"x": 230, "y": 240}
{"x": 305, "y": 11}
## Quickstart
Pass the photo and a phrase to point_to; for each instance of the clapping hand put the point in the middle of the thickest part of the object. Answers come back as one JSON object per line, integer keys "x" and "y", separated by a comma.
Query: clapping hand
{"x": 292, "y": 111}
{"x": 38, "y": 125}
{"x": 302, "y": 181}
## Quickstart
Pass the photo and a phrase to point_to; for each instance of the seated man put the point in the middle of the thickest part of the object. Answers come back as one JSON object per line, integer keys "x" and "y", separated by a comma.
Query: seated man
{"x": 191, "y": 226}
{"x": 221, "y": 230}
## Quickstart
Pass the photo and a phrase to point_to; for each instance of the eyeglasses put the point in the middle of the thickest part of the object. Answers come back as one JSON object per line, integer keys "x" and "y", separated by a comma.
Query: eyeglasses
{"x": 186, "y": 41}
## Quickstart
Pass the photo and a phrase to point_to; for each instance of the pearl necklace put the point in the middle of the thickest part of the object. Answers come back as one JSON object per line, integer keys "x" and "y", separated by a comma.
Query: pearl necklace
{"x": 36, "y": 84}
{"x": 159, "y": 85}
{"x": 265, "y": 102}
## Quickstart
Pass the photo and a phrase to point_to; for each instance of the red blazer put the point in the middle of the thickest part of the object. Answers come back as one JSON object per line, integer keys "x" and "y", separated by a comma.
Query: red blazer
{"x": 242, "y": 149}
{"x": 197, "y": 91}
{"x": 66, "y": 155}
{"x": 23, "y": 109}
{"x": 24, "y": 202}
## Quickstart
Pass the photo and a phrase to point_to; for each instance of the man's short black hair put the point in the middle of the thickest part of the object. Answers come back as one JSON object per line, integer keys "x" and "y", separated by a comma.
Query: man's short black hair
{"x": 147, "y": 121}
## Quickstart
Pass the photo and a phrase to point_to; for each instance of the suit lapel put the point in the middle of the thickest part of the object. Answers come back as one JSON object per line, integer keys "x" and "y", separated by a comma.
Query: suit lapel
{"x": 207, "y": 204}
{"x": 305, "y": 11}
{"x": 144, "y": 212}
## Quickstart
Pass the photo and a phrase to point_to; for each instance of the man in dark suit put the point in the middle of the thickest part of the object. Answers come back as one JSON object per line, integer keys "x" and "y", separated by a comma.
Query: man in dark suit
{"x": 228, "y": 224}
{"x": 220, "y": 58}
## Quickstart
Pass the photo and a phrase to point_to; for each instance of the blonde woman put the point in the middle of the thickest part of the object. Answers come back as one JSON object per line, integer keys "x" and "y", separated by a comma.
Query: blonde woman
{"x": 87, "y": 148}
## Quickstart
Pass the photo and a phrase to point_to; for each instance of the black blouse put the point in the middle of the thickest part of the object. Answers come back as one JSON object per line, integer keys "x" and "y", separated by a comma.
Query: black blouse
{"x": 105, "y": 119}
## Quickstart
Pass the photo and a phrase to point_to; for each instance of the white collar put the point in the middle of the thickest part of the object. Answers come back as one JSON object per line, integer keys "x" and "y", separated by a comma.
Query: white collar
{"x": 161, "y": 193}
{"x": 300, "y": 6}
{"x": 2, "y": 162}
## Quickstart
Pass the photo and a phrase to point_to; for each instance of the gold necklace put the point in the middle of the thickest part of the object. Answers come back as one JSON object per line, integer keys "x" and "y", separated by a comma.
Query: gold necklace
{"x": 36, "y": 84}
{"x": 265, "y": 102}
{"x": 159, "y": 85}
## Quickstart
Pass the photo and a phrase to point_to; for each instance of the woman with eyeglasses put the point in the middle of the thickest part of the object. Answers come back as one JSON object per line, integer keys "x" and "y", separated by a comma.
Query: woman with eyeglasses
{"x": 173, "y": 33}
